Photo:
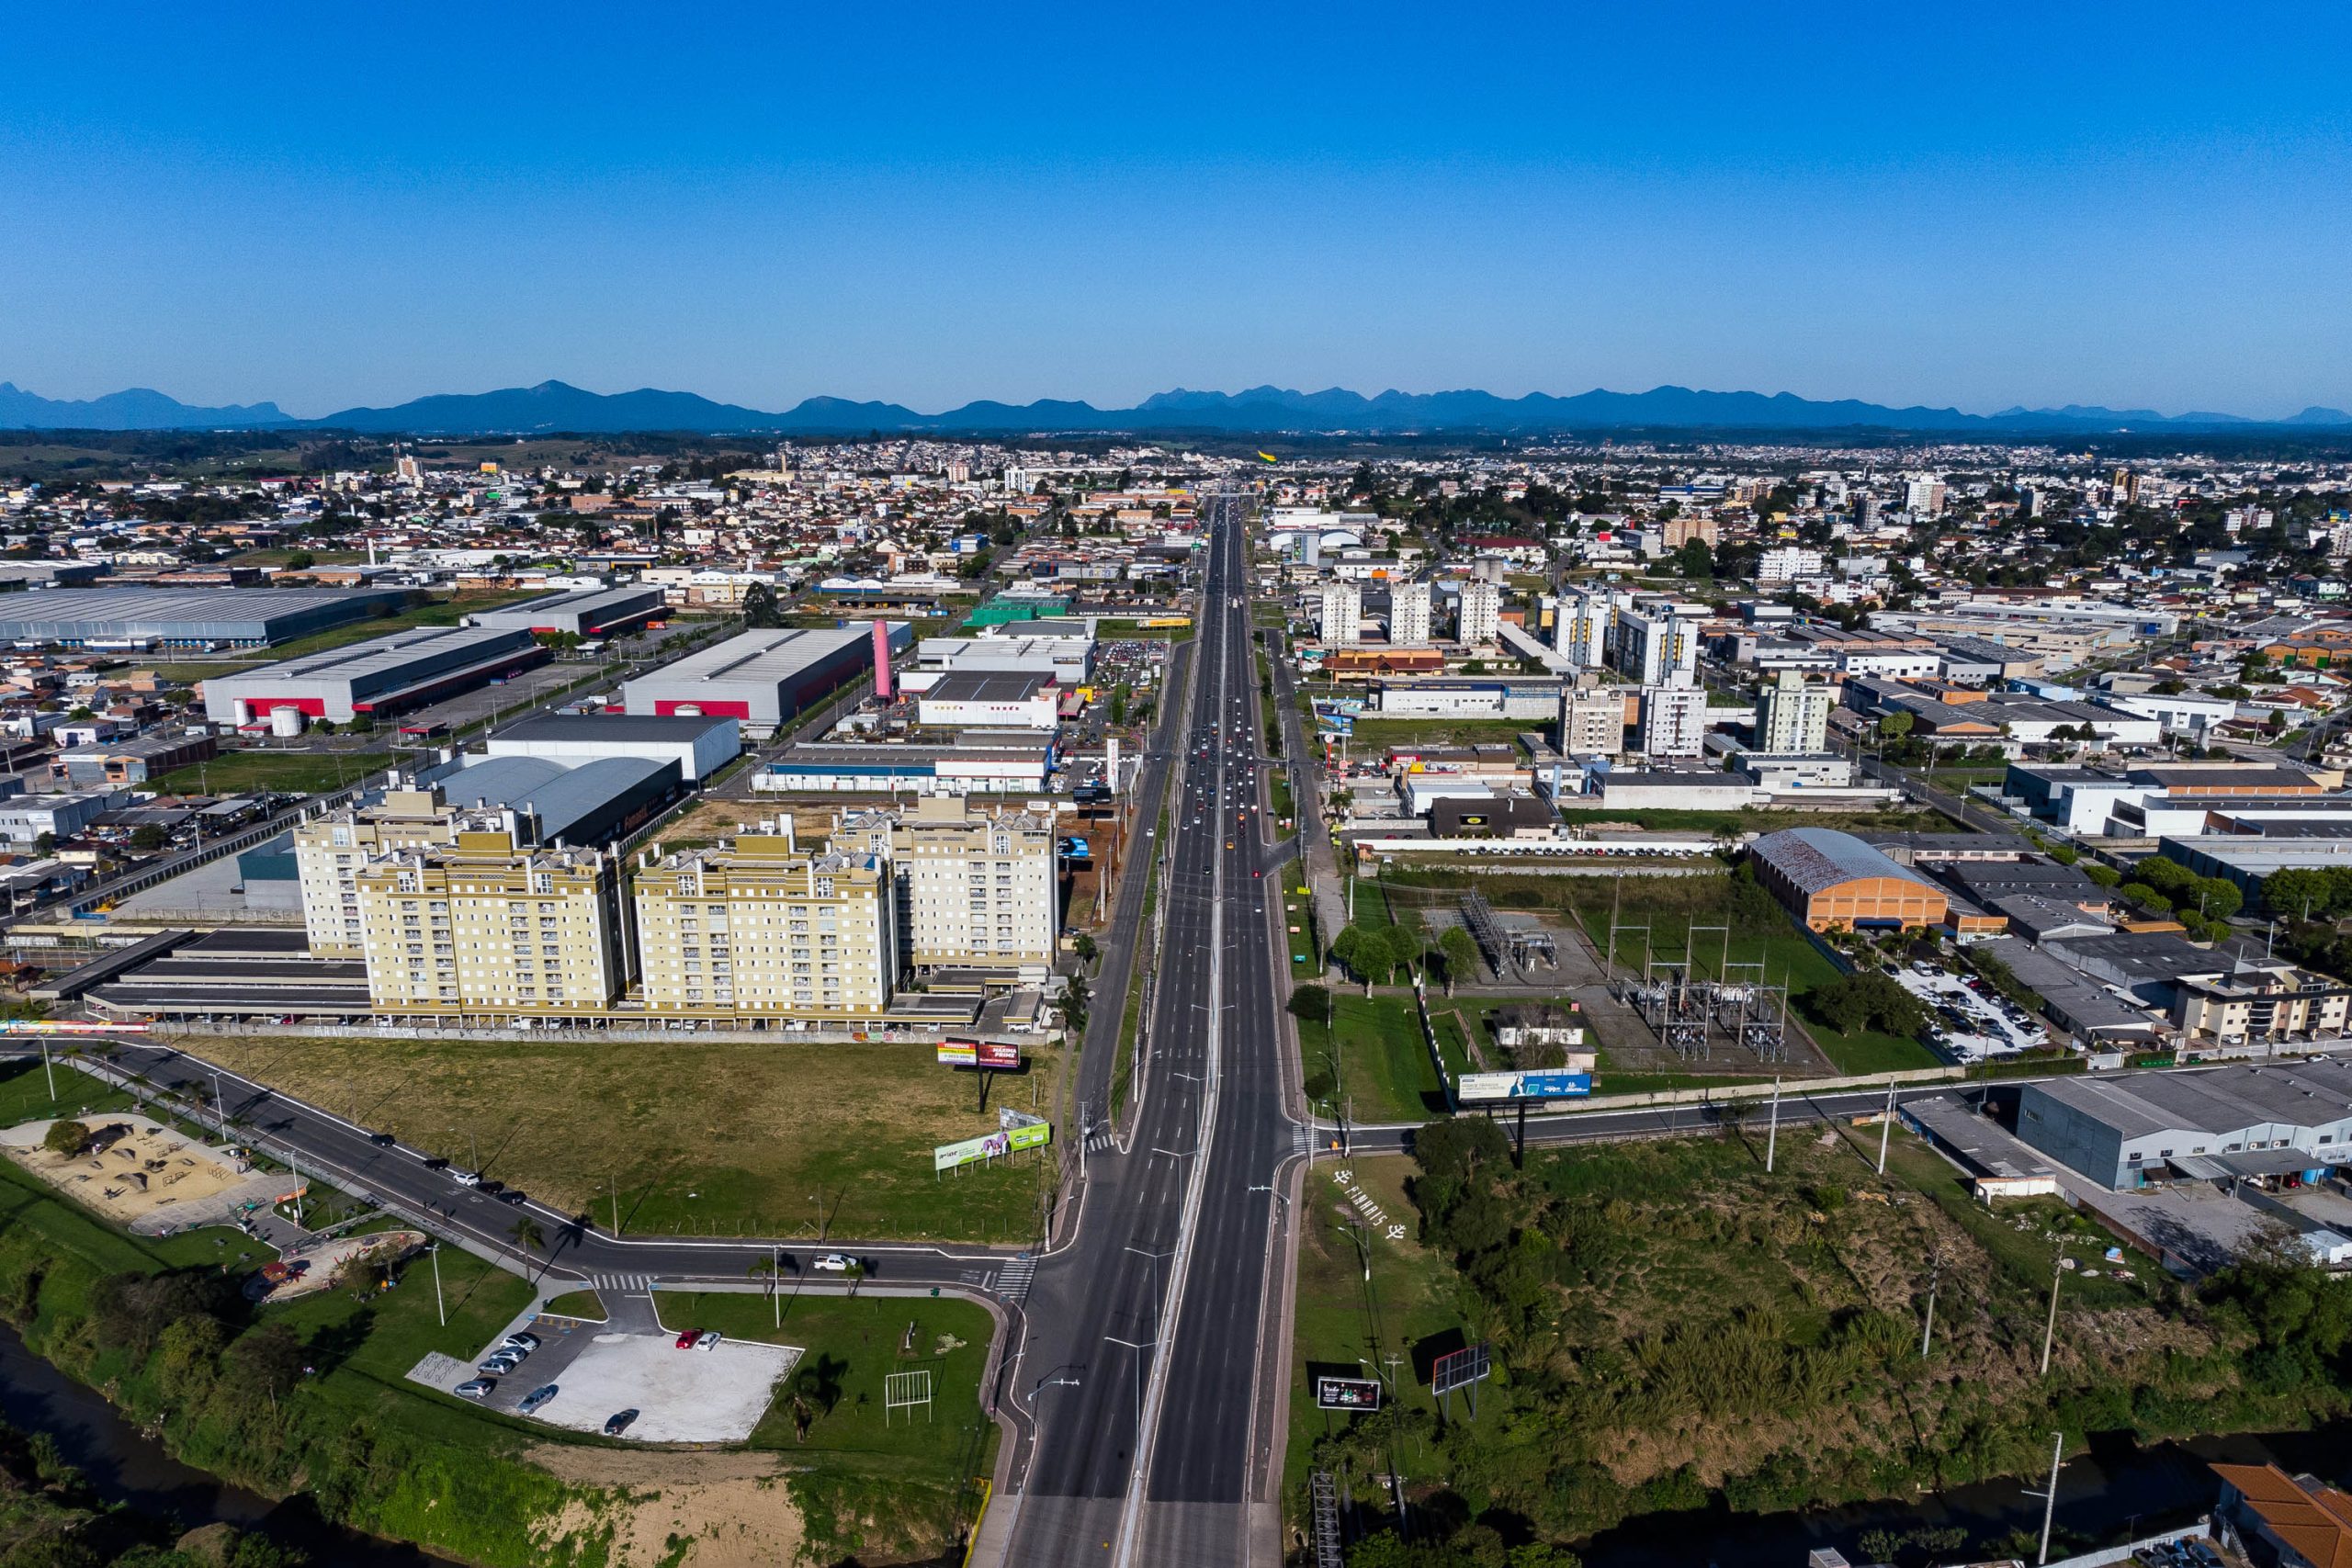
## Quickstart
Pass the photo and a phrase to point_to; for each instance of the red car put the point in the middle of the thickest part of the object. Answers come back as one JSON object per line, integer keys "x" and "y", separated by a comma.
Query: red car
{"x": 686, "y": 1339}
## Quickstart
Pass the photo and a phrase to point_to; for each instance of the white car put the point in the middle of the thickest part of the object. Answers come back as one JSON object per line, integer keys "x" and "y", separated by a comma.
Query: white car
{"x": 466, "y": 1177}
{"x": 831, "y": 1263}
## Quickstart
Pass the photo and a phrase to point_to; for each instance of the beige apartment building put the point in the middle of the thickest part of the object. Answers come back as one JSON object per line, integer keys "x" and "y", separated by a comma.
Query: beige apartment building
{"x": 975, "y": 889}
{"x": 1592, "y": 721}
{"x": 330, "y": 851}
{"x": 479, "y": 927}
{"x": 755, "y": 928}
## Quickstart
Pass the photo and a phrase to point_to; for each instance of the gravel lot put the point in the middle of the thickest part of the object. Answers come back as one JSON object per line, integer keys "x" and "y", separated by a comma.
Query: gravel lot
{"x": 685, "y": 1396}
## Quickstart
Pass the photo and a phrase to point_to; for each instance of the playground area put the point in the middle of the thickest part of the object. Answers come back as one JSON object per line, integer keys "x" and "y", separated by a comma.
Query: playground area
{"x": 145, "y": 1176}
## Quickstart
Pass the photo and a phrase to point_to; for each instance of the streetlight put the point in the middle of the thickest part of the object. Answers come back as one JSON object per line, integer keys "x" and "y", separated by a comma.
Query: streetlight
{"x": 1138, "y": 1349}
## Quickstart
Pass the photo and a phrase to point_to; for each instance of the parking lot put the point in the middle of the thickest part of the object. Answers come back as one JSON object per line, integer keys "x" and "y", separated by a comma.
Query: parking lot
{"x": 1973, "y": 1021}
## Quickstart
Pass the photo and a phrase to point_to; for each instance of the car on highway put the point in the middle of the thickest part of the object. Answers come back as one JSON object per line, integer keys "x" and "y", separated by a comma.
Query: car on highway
{"x": 478, "y": 1388}
{"x": 381, "y": 1140}
{"x": 708, "y": 1339}
{"x": 686, "y": 1337}
{"x": 466, "y": 1177}
{"x": 831, "y": 1263}
{"x": 535, "y": 1398}
{"x": 619, "y": 1422}
{"x": 508, "y": 1195}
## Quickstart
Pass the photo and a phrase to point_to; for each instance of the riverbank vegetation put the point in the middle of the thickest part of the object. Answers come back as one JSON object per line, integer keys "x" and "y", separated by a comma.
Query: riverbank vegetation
{"x": 1675, "y": 1328}
{"x": 51, "y": 1517}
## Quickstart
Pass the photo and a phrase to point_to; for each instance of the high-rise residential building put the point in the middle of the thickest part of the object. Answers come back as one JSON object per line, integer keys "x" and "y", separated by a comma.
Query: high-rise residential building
{"x": 481, "y": 926}
{"x": 1658, "y": 646}
{"x": 1674, "y": 720}
{"x": 1341, "y": 620}
{"x": 1481, "y": 615}
{"x": 1684, "y": 528}
{"x": 1792, "y": 716}
{"x": 973, "y": 889}
{"x": 1592, "y": 721}
{"x": 1581, "y": 624}
{"x": 755, "y": 928}
{"x": 1924, "y": 498}
{"x": 1787, "y": 563}
{"x": 330, "y": 852}
{"x": 1409, "y": 615}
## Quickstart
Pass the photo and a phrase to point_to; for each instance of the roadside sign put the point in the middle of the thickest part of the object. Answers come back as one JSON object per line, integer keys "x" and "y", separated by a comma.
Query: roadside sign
{"x": 1347, "y": 1393}
{"x": 988, "y": 1146}
{"x": 1546, "y": 1085}
{"x": 997, "y": 1053}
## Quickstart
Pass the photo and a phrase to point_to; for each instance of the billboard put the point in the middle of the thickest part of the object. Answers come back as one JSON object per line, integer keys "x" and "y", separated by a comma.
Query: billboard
{"x": 1347, "y": 1393}
{"x": 48, "y": 1026}
{"x": 1460, "y": 1369}
{"x": 1545, "y": 1084}
{"x": 997, "y": 1053}
{"x": 947, "y": 1156}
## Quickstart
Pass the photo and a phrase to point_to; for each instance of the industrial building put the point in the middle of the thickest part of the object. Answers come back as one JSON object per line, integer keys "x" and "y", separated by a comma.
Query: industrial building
{"x": 757, "y": 929}
{"x": 1829, "y": 879}
{"x": 1062, "y": 650}
{"x": 2127, "y": 1131}
{"x": 699, "y": 746}
{"x": 382, "y": 675}
{"x": 762, "y": 678}
{"x": 483, "y": 928}
{"x": 167, "y": 617}
{"x": 131, "y": 762}
{"x": 976, "y": 762}
{"x": 1532, "y": 697}
{"x": 25, "y": 817}
{"x": 960, "y": 701}
{"x": 595, "y": 612}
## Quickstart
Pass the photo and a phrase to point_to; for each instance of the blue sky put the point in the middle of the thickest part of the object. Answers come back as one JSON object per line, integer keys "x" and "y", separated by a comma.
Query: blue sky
{"x": 2133, "y": 205}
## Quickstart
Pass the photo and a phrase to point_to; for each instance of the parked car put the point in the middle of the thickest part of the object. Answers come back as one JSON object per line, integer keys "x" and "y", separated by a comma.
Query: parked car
{"x": 480, "y": 1388}
{"x": 708, "y": 1339}
{"x": 521, "y": 1341}
{"x": 508, "y": 1195}
{"x": 619, "y": 1423}
{"x": 535, "y": 1398}
{"x": 687, "y": 1336}
{"x": 499, "y": 1366}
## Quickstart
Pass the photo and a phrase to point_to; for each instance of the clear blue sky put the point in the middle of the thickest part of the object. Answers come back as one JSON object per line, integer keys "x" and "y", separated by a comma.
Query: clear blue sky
{"x": 2131, "y": 204}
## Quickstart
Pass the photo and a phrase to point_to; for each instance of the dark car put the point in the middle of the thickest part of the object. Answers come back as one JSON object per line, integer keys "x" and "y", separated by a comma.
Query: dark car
{"x": 536, "y": 1397}
{"x": 507, "y": 1195}
{"x": 619, "y": 1423}
{"x": 381, "y": 1140}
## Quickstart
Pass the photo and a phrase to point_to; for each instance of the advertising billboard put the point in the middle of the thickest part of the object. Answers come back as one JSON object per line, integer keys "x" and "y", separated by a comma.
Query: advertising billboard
{"x": 996, "y": 1054}
{"x": 989, "y": 1147}
{"x": 1549, "y": 1085}
{"x": 61, "y": 1026}
{"x": 1347, "y": 1393}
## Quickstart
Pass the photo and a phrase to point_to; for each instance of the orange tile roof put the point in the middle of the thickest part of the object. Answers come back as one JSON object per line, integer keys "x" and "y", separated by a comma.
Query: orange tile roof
{"x": 2318, "y": 1525}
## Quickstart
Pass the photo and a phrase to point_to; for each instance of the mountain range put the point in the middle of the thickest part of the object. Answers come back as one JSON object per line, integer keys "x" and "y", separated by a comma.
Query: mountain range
{"x": 554, "y": 406}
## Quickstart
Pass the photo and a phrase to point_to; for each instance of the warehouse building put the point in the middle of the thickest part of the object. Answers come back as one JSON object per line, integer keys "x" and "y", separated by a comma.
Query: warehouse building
{"x": 978, "y": 762}
{"x": 1534, "y": 698}
{"x": 961, "y": 701}
{"x": 25, "y": 817}
{"x": 1062, "y": 650}
{"x": 762, "y": 678}
{"x": 131, "y": 762}
{"x": 2134, "y": 1129}
{"x": 167, "y": 617}
{"x": 597, "y": 612}
{"x": 699, "y": 746}
{"x": 1829, "y": 879}
{"x": 382, "y": 675}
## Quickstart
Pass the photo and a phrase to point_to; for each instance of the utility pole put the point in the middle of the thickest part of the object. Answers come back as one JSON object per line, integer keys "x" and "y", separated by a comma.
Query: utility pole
{"x": 1772, "y": 1136}
{"x": 776, "y": 1279}
{"x": 48, "y": 1071}
{"x": 437, "y": 1305}
{"x": 1935, "y": 1283}
{"x": 2049, "y": 1329}
{"x": 2050, "y": 1497}
{"x": 1886, "y": 1125}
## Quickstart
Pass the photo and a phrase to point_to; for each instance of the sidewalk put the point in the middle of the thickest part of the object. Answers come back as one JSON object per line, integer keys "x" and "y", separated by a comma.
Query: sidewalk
{"x": 1305, "y": 770}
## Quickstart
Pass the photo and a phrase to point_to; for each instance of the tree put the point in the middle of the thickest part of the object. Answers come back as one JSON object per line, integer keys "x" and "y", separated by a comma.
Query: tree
{"x": 66, "y": 1139}
{"x": 45, "y": 845}
{"x": 2105, "y": 875}
{"x": 1084, "y": 946}
{"x": 1896, "y": 725}
{"x": 268, "y": 1357}
{"x": 300, "y": 560}
{"x": 760, "y": 607}
{"x": 528, "y": 1238}
{"x": 1312, "y": 1003}
{"x": 1694, "y": 558}
{"x": 1461, "y": 953}
{"x": 147, "y": 837}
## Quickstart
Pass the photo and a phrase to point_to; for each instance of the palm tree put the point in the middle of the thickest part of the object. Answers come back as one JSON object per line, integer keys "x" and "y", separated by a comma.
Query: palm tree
{"x": 528, "y": 1239}
{"x": 852, "y": 1274}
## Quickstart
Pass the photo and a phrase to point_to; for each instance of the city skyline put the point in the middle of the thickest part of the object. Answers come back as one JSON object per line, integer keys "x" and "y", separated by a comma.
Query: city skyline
{"x": 1907, "y": 210}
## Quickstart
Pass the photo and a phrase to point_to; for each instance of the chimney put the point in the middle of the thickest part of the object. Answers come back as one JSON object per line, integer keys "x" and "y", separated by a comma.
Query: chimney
{"x": 882, "y": 659}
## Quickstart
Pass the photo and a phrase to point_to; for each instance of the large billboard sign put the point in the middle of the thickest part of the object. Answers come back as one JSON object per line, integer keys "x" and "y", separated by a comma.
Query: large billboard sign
{"x": 996, "y": 1054}
{"x": 971, "y": 1151}
{"x": 1545, "y": 1084}
{"x": 61, "y": 1026}
{"x": 1460, "y": 1369}
{"x": 1347, "y": 1393}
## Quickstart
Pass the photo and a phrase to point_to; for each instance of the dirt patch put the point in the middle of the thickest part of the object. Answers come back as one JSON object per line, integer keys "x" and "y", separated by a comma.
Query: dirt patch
{"x": 734, "y": 1507}
{"x": 141, "y": 1175}
{"x": 329, "y": 1262}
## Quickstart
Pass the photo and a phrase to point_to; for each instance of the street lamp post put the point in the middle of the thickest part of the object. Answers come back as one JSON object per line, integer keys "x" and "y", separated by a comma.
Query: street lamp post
{"x": 1139, "y": 1347}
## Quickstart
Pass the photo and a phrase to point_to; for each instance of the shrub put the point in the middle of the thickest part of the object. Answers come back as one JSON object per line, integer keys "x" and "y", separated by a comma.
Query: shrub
{"x": 66, "y": 1138}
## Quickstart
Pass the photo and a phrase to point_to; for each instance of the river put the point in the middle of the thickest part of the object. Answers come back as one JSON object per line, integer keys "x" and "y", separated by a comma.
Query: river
{"x": 2113, "y": 1493}
{"x": 126, "y": 1466}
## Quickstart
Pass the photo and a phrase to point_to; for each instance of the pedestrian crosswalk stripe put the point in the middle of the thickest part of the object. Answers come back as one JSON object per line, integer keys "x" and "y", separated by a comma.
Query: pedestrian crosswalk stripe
{"x": 1012, "y": 1282}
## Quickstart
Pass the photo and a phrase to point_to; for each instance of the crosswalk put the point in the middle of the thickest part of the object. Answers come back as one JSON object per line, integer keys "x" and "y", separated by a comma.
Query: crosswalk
{"x": 1099, "y": 1142}
{"x": 620, "y": 1281}
{"x": 1012, "y": 1280}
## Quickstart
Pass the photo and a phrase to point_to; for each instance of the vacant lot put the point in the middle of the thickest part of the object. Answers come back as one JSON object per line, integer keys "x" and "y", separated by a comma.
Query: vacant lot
{"x": 1373, "y": 1055}
{"x": 292, "y": 772}
{"x": 690, "y": 1136}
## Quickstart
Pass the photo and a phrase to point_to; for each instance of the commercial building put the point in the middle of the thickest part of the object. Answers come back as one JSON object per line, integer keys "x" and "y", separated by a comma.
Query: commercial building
{"x": 2128, "y": 1130}
{"x": 757, "y": 929}
{"x": 1532, "y": 697}
{"x": 700, "y": 746}
{"x": 976, "y": 762}
{"x": 762, "y": 678}
{"x": 485, "y": 928}
{"x": 25, "y": 817}
{"x": 590, "y": 614}
{"x": 382, "y": 675}
{"x": 1792, "y": 716}
{"x": 1592, "y": 721}
{"x": 998, "y": 701}
{"x": 1830, "y": 880}
{"x": 974, "y": 889}
{"x": 131, "y": 762}
{"x": 1409, "y": 615}
{"x": 1480, "y": 618}
{"x": 1340, "y": 614}
{"x": 1497, "y": 817}
{"x": 1064, "y": 654}
{"x": 166, "y": 617}
{"x": 1674, "y": 721}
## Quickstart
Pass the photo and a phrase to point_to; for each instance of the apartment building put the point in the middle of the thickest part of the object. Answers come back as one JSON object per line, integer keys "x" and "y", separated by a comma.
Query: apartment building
{"x": 331, "y": 851}
{"x": 974, "y": 889}
{"x": 1674, "y": 721}
{"x": 1656, "y": 646}
{"x": 1592, "y": 722}
{"x": 479, "y": 927}
{"x": 1580, "y": 626}
{"x": 1409, "y": 615}
{"x": 1340, "y": 614}
{"x": 757, "y": 929}
{"x": 1480, "y": 618}
{"x": 1792, "y": 716}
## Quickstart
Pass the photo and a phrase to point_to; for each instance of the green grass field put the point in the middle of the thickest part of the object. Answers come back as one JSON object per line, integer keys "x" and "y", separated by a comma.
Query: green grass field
{"x": 1383, "y": 1066}
{"x": 292, "y": 772}
{"x": 695, "y": 1137}
{"x": 1378, "y": 733}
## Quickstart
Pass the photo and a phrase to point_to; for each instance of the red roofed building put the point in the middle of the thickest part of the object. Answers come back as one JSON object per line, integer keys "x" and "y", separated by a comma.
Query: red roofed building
{"x": 2303, "y": 1526}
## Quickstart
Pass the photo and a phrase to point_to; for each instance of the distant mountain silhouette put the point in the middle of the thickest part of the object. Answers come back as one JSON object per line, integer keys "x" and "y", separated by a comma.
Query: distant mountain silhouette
{"x": 557, "y": 406}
